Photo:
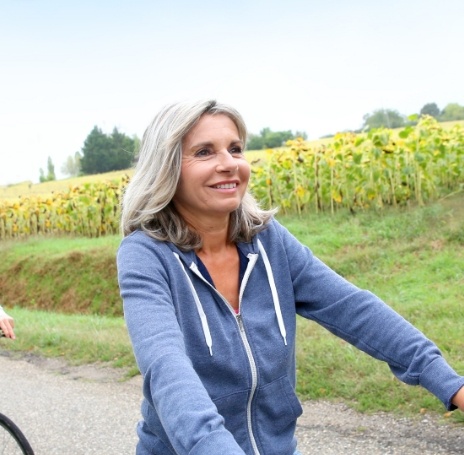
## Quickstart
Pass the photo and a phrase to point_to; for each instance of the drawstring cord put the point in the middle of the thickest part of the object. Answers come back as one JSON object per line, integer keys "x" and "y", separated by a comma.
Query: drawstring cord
{"x": 275, "y": 296}
{"x": 201, "y": 313}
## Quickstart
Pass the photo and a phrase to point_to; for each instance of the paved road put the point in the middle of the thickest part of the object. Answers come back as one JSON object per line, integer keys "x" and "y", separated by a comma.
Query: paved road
{"x": 88, "y": 410}
{"x": 69, "y": 412}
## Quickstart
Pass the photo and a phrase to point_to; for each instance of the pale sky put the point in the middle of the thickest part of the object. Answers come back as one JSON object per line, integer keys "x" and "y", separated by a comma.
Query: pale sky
{"x": 311, "y": 65}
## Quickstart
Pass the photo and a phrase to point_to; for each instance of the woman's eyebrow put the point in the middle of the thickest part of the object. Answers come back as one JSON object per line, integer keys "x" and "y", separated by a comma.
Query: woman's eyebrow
{"x": 201, "y": 144}
{"x": 211, "y": 144}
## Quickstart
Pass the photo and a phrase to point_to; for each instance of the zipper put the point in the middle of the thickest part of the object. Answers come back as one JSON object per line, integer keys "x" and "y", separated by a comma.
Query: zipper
{"x": 254, "y": 380}
{"x": 254, "y": 372}
{"x": 238, "y": 318}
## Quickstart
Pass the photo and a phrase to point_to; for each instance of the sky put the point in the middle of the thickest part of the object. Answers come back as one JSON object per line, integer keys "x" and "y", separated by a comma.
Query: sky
{"x": 316, "y": 66}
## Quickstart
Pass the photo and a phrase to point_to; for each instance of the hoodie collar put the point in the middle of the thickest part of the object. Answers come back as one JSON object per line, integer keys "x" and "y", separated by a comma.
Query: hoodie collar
{"x": 188, "y": 260}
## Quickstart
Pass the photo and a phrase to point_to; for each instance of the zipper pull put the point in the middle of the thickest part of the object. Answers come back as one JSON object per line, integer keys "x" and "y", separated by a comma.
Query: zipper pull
{"x": 240, "y": 322}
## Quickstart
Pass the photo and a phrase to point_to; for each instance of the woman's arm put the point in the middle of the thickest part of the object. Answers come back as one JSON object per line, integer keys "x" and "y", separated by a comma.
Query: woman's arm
{"x": 177, "y": 399}
{"x": 364, "y": 320}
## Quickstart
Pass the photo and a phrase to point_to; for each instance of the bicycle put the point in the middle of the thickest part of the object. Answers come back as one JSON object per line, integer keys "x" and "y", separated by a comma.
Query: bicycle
{"x": 12, "y": 439}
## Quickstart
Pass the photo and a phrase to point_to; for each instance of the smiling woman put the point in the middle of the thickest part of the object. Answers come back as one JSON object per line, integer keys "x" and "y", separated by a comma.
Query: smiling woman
{"x": 211, "y": 286}
{"x": 214, "y": 172}
{"x": 213, "y": 180}
{"x": 149, "y": 202}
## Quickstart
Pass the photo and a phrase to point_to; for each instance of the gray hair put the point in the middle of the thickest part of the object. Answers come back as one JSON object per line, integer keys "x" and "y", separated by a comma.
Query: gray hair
{"x": 147, "y": 200}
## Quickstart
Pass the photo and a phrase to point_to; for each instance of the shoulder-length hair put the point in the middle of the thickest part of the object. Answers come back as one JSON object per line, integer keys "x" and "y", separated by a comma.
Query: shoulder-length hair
{"x": 147, "y": 199}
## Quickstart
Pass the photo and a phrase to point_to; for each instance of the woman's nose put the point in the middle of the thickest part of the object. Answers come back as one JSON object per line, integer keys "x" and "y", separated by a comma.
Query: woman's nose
{"x": 226, "y": 162}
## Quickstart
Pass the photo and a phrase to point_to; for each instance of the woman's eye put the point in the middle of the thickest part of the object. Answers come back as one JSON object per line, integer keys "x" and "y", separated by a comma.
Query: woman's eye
{"x": 202, "y": 153}
{"x": 236, "y": 150}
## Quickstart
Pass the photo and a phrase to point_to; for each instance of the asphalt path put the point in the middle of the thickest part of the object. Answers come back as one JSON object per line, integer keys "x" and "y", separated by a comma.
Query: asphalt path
{"x": 69, "y": 411}
{"x": 91, "y": 410}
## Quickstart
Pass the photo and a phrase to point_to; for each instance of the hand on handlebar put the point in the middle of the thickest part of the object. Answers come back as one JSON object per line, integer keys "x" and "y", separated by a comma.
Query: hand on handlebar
{"x": 6, "y": 325}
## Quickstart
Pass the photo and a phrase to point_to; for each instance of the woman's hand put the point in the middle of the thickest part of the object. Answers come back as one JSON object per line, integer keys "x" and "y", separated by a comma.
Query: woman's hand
{"x": 7, "y": 325}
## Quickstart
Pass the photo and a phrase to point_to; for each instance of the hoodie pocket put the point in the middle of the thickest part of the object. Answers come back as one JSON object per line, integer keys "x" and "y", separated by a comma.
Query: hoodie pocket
{"x": 233, "y": 408}
{"x": 277, "y": 408}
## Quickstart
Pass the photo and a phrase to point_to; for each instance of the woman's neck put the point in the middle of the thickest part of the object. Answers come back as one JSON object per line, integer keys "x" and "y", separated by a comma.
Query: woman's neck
{"x": 214, "y": 241}
{"x": 214, "y": 234}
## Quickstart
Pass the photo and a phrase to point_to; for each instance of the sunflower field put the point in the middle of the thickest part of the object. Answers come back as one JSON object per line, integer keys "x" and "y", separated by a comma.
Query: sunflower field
{"x": 371, "y": 170}
{"x": 382, "y": 167}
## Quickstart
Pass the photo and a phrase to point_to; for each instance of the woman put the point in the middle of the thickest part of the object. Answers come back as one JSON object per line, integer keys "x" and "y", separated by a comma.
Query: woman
{"x": 6, "y": 324}
{"x": 211, "y": 286}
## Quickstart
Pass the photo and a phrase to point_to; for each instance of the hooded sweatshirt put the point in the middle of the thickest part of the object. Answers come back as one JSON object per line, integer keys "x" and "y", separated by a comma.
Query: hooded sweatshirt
{"x": 219, "y": 381}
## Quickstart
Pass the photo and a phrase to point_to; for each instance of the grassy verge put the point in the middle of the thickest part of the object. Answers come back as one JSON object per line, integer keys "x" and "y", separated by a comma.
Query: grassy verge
{"x": 413, "y": 259}
{"x": 79, "y": 339}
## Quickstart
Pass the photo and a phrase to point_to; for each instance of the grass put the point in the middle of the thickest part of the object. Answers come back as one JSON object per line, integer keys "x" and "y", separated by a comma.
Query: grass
{"x": 80, "y": 339}
{"x": 71, "y": 275}
{"x": 412, "y": 258}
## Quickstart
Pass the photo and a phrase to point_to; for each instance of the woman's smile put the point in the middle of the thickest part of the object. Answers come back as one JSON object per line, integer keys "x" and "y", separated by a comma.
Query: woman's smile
{"x": 214, "y": 173}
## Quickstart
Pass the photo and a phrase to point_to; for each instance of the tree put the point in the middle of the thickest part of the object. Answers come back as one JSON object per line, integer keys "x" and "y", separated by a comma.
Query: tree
{"x": 50, "y": 172}
{"x": 452, "y": 111}
{"x": 122, "y": 150}
{"x": 271, "y": 139}
{"x": 255, "y": 142}
{"x": 430, "y": 109}
{"x": 383, "y": 118}
{"x": 102, "y": 153}
{"x": 95, "y": 152}
{"x": 301, "y": 134}
{"x": 72, "y": 165}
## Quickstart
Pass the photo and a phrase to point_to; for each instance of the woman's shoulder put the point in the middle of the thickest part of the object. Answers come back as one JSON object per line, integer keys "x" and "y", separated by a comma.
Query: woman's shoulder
{"x": 277, "y": 235}
{"x": 273, "y": 228}
{"x": 142, "y": 237}
{"x": 141, "y": 243}
{"x": 136, "y": 237}
{"x": 138, "y": 241}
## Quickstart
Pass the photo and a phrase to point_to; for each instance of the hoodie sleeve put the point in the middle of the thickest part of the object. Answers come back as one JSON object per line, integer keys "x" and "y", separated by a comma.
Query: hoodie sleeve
{"x": 364, "y": 320}
{"x": 186, "y": 415}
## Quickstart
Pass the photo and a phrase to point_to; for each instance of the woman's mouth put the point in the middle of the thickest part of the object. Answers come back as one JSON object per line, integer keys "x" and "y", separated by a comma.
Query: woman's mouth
{"x": 226, "y": 186}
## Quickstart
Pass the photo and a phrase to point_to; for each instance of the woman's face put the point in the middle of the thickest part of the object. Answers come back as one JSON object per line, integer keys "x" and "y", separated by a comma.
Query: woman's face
{"x": 214, "y": 173}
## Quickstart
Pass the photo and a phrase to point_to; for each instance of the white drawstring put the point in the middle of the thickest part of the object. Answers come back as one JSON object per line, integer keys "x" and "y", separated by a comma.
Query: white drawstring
{"x": 275, "y": 296}
{"x": 201, "y": 312}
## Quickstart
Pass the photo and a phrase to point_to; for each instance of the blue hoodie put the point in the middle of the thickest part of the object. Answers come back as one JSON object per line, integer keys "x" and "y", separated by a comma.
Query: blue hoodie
{"x": 215, "y": 381}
